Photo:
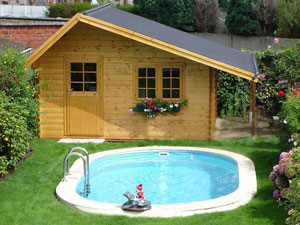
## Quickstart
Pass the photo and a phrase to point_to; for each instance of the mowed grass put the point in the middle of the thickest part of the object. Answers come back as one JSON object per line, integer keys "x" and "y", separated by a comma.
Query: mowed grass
{"x": 28, "y": 195}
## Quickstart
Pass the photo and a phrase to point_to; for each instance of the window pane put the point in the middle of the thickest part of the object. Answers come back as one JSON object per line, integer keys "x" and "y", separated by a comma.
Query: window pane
{"x": 175, "y": 72}
{"x": 76, "y": 66}
{"x": 151, "y": 83}
{"x": 90, "y": 77}
{"x": 90, "y": 87}
{"x": 142, "y": 83}
{"x": 151, "y": 72}
{"x": 175, "y": 83}
{"x": 142, "y": 93}
{"x": 166, "y": 83}
{"x": 90, "y": 67}
{"x": 142, "y": 72}
{"x": 151, "y": 93}
{"x": 166, "y": 72}
{"x": 175, "y": 93}
{"x": 166, "y": 94}
{"x": 76, "y": 87}
{"x": 76, "y": 77}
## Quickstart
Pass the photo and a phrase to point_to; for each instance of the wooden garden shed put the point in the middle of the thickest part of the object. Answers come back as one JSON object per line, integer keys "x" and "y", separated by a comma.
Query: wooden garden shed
{"x": 104, "y": 61}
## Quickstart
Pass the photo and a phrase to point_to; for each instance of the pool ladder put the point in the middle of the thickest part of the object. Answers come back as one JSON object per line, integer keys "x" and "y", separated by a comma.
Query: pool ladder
{"x": 86, "y": 168}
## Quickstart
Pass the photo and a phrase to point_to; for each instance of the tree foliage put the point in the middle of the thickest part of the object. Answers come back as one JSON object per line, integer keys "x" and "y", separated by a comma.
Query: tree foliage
{"x": 240, "y": 17}
{"x": 288, "y": 18}
{"x": 206, "y": 13}
{"x": 175, "y": 13}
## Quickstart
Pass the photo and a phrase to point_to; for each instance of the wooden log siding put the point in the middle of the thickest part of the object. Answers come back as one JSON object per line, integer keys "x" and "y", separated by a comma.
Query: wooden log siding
{"x": 120, "y": 55}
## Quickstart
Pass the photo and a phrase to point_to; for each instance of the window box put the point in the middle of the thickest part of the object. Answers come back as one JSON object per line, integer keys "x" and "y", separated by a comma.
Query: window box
{"x": 152, "y": 107}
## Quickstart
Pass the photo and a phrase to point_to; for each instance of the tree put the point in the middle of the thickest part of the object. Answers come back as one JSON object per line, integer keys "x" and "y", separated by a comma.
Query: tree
{"x": 206, "y": 15}
{"x": 175, "y": 13}
{"x": 240, "y": 17}
{"x": 288, "y": 17}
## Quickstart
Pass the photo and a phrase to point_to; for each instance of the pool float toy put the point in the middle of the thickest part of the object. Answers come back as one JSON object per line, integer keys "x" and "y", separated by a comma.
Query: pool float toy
{"x": 136, "y": 203}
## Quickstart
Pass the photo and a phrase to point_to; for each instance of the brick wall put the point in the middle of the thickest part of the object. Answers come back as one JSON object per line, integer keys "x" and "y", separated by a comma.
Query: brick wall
{"x": 30, "y": 36}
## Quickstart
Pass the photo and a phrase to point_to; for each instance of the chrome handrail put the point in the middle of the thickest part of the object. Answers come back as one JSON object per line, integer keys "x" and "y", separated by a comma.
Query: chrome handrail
{"x": 87, "y": 158}
{"x": 86, "y": 187}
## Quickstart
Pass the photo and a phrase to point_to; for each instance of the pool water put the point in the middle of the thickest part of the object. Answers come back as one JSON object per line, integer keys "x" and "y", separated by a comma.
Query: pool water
{"x": 179, "y": 177}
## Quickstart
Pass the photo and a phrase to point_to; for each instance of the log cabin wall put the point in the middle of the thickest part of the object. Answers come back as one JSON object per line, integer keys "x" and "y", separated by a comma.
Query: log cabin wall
{"x": 119, "y": 57}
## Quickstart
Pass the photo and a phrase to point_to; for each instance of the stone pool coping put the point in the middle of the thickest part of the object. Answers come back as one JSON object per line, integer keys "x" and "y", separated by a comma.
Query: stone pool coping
{"x": 66, "y": 190}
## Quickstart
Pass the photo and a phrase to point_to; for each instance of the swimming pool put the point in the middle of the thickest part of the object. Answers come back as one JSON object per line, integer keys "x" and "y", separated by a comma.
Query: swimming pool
{"x": 195, "y": 186}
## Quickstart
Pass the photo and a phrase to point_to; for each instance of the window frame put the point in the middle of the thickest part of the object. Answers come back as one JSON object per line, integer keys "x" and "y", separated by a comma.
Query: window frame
{"x": 68, "y": 76}
{"x": 159, "y": 80}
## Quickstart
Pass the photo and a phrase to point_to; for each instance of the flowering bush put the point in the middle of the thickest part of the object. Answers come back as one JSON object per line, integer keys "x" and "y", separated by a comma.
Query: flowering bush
{"x": 290, "y": 120}
{"x": 18, "y": 108}
{"x": 286, "y": 180}
{"x": 151, "y": 108}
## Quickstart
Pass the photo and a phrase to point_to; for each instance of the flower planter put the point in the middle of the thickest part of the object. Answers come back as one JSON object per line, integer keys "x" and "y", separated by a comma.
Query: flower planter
{"x": 140, "y": 108}
{"x": 175, "y": 108}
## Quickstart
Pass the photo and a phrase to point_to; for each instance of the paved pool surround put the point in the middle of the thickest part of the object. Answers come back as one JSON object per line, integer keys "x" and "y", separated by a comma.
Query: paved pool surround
{"x": 66, "y": 190}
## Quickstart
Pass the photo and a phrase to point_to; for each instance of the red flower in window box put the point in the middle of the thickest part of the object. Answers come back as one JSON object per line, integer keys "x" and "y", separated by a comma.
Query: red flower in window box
{"x": 294, "y": 92}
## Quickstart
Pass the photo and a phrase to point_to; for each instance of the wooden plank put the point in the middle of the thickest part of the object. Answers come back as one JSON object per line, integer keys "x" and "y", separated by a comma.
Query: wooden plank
{"x": 252, "y": 108}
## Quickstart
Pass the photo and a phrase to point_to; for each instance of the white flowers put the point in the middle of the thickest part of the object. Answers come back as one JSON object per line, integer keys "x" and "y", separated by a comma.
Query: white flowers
{"x": 285, "y": 121}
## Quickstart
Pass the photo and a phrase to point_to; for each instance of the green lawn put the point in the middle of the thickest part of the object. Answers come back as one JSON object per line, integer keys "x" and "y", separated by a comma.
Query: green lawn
{"x": 28, "y": 196}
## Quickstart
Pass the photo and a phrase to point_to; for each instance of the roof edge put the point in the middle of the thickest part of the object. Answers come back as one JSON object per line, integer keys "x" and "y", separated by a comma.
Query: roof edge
{"x": 53, "y": 39}
{"x": 95, "y": 9}
{"x": 256, "y": 67}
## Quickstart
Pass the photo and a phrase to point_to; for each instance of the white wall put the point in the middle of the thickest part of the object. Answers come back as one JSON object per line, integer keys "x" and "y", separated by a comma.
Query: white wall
{"x": 22, "y": 11}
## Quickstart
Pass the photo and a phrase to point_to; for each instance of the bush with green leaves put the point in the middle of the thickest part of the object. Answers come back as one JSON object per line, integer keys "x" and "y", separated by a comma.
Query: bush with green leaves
{"x": 288, "y": 18}
{"x": 240, "y": 19}
{"x": 290, "y": 120}
{"x": 175, "y": 13}
{"x": 280, "y": 71}
{"x": 14, "y": 133}
{"x": 233, "y": 95}
{"x": 67, "y": 10}
{"x": 20, "y": 84}
{"x": 19, "y": 110}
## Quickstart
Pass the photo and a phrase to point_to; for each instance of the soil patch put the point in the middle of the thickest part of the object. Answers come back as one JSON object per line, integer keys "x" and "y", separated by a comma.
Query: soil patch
{"x": 240, "y": 127}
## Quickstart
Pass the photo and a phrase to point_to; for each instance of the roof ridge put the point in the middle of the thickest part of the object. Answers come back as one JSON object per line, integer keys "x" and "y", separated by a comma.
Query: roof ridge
{"x": 94, "y": 9}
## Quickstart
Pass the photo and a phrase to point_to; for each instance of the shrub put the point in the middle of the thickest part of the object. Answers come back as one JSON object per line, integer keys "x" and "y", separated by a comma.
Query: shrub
{"x": 290, "y": 120}
{"x": 21, "y": 85}
{"x": 67, "y": 10}
{"x": 233, "y": 95}
{"x": 175, "y": 13}
{"x": 288, "y": 18}
{"x": 280, "y": 71}
{"x": 240, "y": 17}
{"x": 286, "y": 180}
{"x": 14, "y": 132}
{"x": 18, "y": 108}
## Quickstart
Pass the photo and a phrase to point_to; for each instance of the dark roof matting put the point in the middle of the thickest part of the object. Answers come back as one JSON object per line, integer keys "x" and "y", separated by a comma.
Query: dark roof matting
{"x": 6, "y": 44}
{"x": 174, "y": 37}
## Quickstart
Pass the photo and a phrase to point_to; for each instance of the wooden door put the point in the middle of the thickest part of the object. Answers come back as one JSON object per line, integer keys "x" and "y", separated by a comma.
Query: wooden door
{"x": 84, "y": 105}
